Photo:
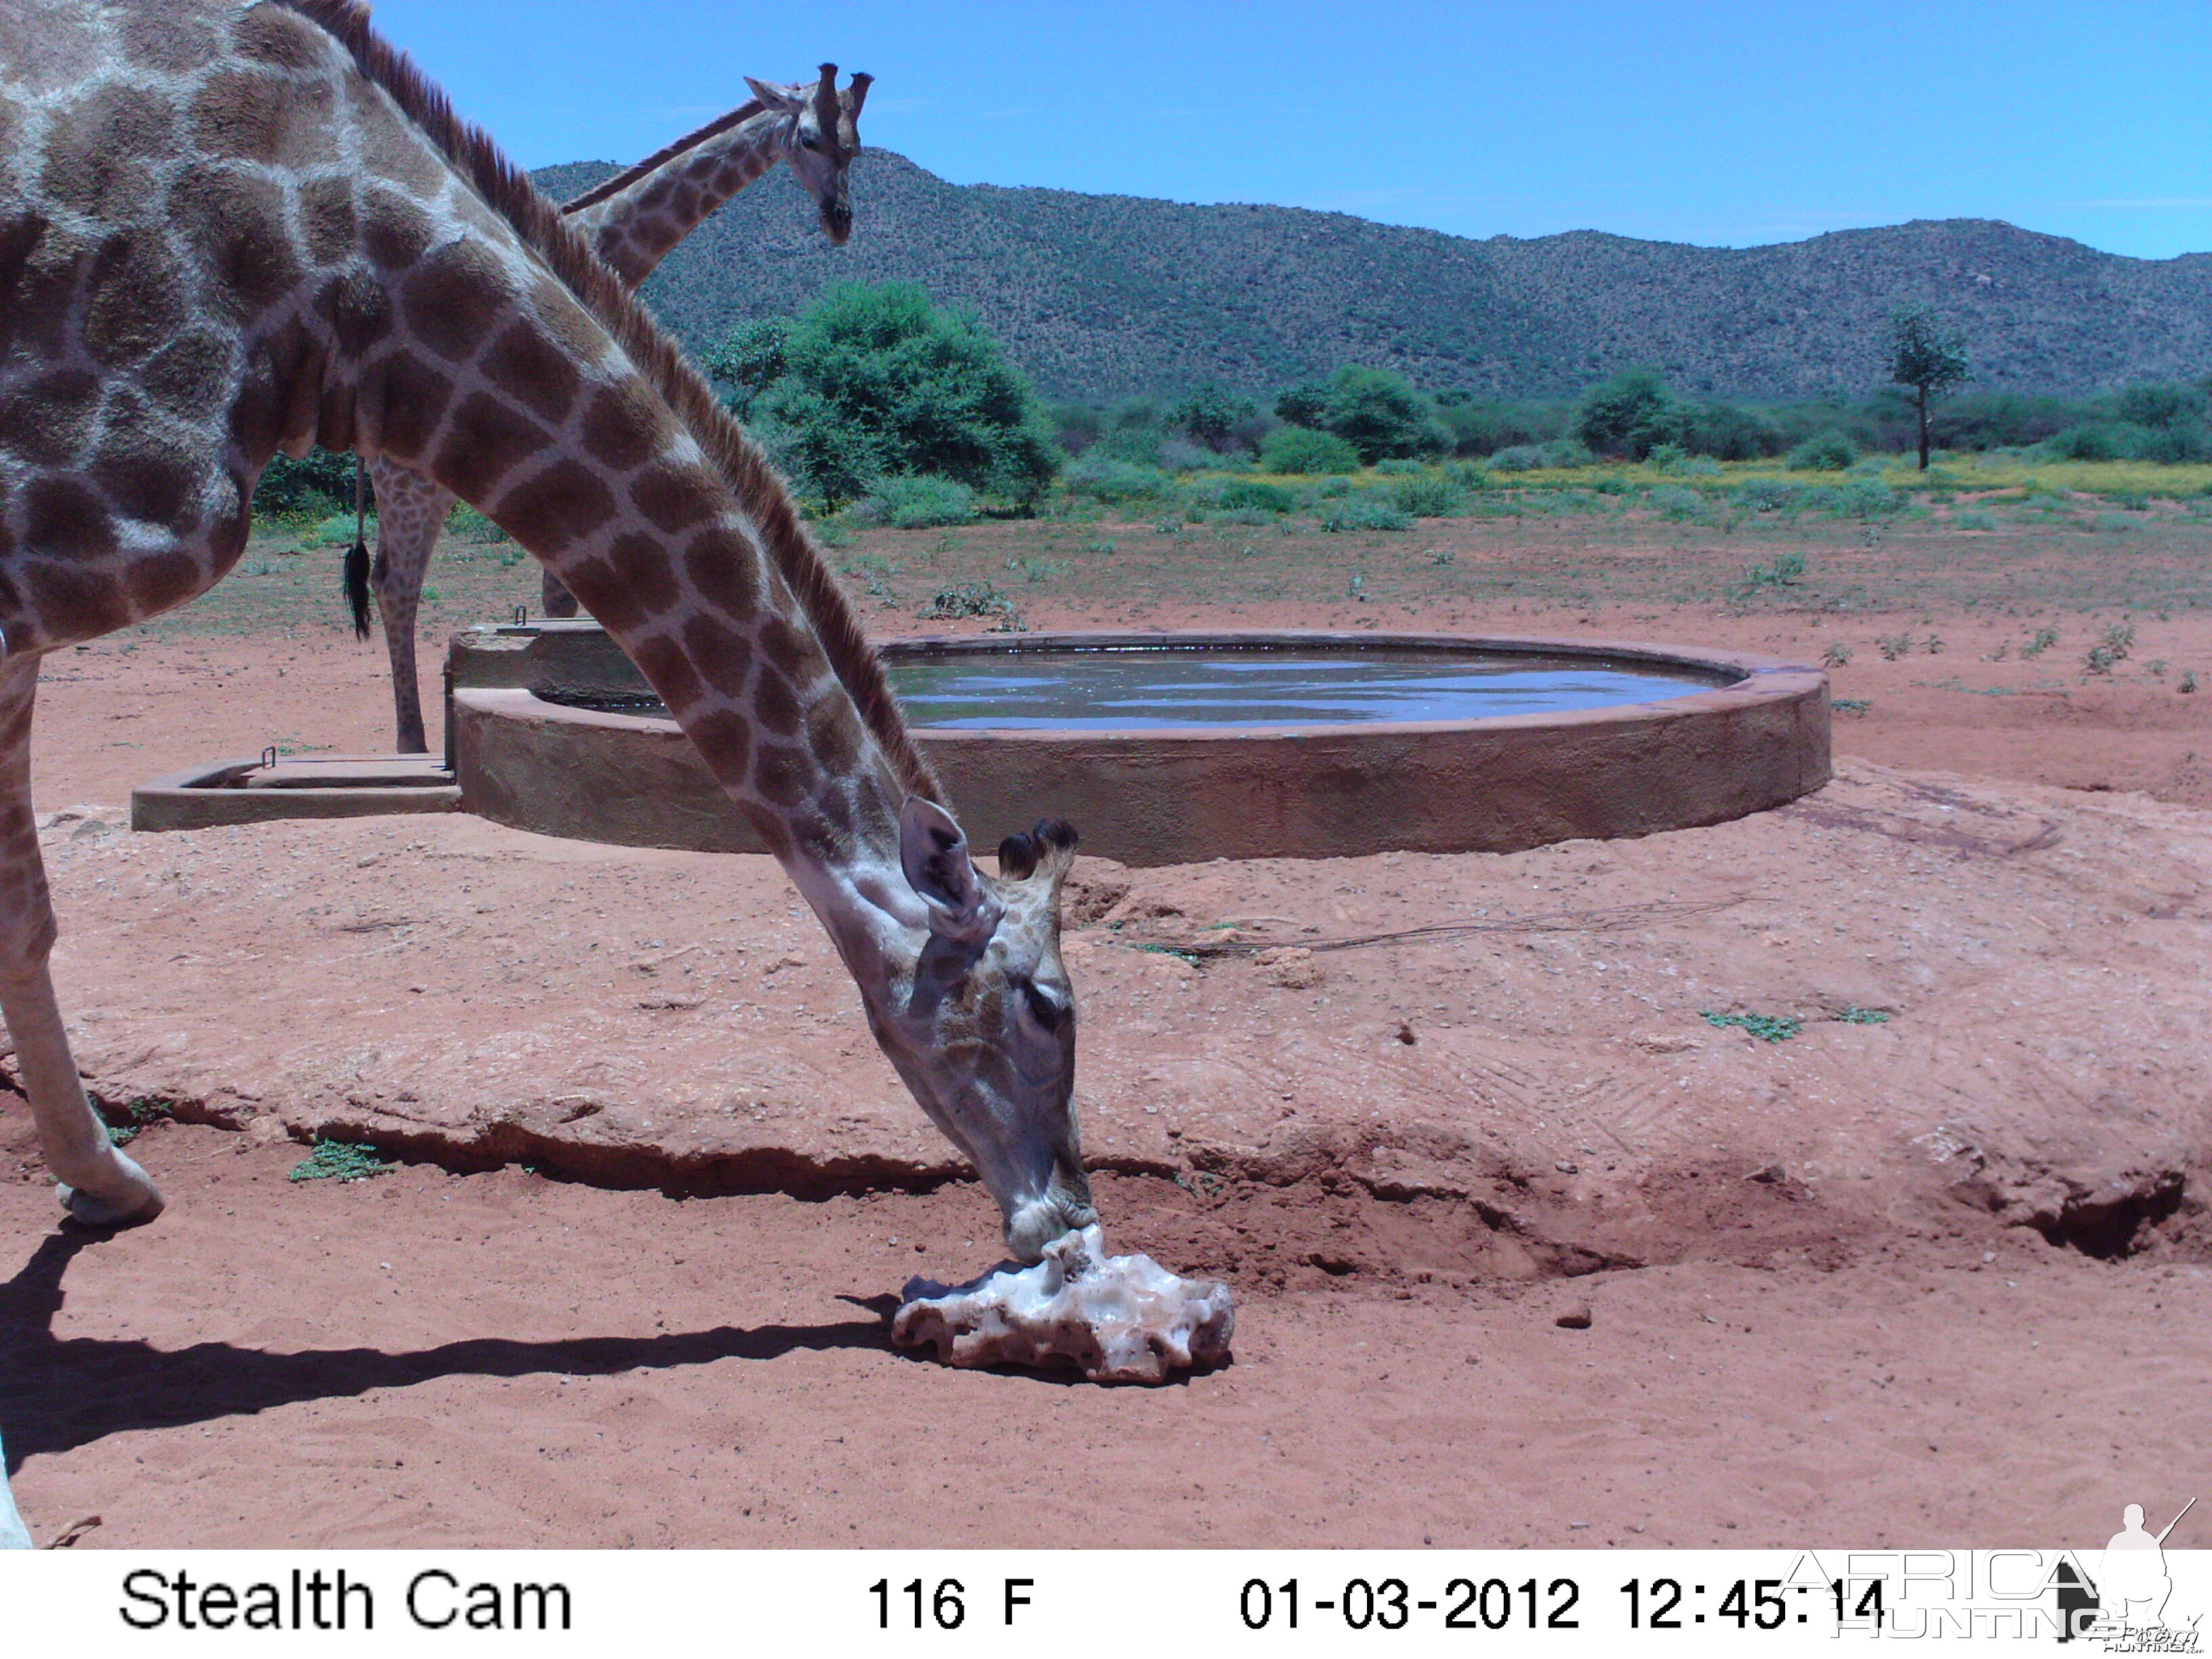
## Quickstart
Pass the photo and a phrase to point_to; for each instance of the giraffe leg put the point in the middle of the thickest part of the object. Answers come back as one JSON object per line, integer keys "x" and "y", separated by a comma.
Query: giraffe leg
{"x": 556, "y": 600}
{"x": 99, "y": 1185}
{"x": 411, "y": 511}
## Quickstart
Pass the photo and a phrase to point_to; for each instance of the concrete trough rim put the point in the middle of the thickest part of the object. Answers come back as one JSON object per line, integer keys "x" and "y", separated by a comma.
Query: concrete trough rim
{"x": 199, "y": 797}
{"x": 1778, "y": 680}
{"x": 1184, "y": 795}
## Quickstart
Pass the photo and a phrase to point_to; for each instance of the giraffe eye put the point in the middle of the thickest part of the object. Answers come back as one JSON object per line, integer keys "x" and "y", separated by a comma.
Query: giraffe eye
{"x": 808, "y": 141}
{"x": 1043, "y": 1009}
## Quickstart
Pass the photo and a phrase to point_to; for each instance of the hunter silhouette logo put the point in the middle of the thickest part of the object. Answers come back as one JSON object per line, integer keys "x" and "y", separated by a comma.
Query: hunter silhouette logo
{"x": 2123, "y": 1606}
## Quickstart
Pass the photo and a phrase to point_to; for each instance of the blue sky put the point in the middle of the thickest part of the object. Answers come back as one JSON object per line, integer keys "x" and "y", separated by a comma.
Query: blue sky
{"x": 1718, "y": 124}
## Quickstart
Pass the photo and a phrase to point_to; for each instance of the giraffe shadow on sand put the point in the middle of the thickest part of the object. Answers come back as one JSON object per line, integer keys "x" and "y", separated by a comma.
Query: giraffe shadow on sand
{"x": 59, "y": 1393}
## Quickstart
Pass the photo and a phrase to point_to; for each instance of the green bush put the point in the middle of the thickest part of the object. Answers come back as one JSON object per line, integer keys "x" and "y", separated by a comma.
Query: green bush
{"x": 1427, "y": 496}
{"x": 465, "y": 524}
{"x": 1302, "y": 449}
{"x": 1826, "y": 452}
{"x": 1865, "y": 498}
{"x": 337, "y": 530}
{"x": 1243, "y": 495}
{"x": 750, "y": 359}
{"x": 1727, "y": 432}
{"x": 1214, "y": 417}
{"x": 1103, "y": 478}
{"x": 318, "y": 482}
{"x": 1630, "y": 414}
{"x": 1766, "y": 496}
{"x": 1363, "y": 511}
{"x": 1381, "y": 416}
{"x": 1521, "y": 457}
{"x": 1974, "y": 518}
{"x": 1182, "y": 455}
{"x": 881, "y": 381}
{"x": 919, "y": 502}
{"x": 1674, "y": 502}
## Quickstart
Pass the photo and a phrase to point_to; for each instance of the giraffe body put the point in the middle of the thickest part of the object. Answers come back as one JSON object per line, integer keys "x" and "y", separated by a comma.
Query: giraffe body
{"x": 231, "y": 229}
{"x": 632, "y": 221}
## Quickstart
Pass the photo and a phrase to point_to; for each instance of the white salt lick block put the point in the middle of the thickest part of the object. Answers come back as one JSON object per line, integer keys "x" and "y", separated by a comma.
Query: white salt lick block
{"x": 1116, "y": 1318}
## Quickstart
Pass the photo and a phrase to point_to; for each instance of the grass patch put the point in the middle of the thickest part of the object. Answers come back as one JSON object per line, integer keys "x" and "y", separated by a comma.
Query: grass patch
{"x": 1863, "y": 1017}
{"x": 1767, "y": 1028}
{"x": 340, "y": 1160}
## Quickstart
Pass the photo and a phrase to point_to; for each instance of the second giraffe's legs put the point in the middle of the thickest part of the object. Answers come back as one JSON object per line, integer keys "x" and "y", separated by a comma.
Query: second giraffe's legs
{"x": 557, "y": 600}
{"x": 99, "y": 1185}
{"x": 411, "y": 511}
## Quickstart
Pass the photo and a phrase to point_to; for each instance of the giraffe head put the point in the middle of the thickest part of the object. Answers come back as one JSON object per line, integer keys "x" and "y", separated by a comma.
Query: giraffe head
{"x": 825, "y": 139}
{"x": 983, "y": 1032}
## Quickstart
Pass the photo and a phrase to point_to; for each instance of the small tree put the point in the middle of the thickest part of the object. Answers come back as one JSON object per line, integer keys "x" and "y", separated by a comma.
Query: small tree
{"x": 881, "y": 379}
{"x": 748, "y": 361}
{"x": 1380, "y": 415}
{"x": 1631, "y": 415}
{"x": 1212, "y": 417}
{"x": 1926, "y": 356}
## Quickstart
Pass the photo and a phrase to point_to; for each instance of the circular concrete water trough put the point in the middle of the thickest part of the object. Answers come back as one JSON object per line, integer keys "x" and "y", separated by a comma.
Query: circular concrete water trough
{"x": 551, "y": 728}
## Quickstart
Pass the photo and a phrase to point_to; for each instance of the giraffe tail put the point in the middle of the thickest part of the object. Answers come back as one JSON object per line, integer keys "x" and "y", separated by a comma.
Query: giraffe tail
{"x": 356, "y": 587}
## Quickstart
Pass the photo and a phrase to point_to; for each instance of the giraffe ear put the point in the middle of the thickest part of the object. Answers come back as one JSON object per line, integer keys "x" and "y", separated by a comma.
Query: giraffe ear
{"x": 784, "y": 100}
{"x": 933, "y": 852}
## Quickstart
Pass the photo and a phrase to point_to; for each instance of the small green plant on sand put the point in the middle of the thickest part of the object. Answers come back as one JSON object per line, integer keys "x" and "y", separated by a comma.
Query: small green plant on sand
{"x": 1786, "y": 571}
{"x": 1836, "y": 656}
{"x": 340, "y": 1160}
{"x": 1767, "y": 1028}
{"x": 1864, "y": 1017}
{"x": 2110, "y": 651}
{"x": 2044, "y": 640}
{"x": 1894, "y": 647}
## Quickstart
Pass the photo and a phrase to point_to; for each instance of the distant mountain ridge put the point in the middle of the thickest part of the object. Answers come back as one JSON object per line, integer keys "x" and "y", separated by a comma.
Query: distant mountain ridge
{"x": 1103, "y": 297}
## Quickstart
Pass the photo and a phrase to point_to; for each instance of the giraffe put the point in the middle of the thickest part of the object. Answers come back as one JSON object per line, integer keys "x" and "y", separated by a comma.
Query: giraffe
{"x": 632, "y": 221}
{"x": 230, "y": 227}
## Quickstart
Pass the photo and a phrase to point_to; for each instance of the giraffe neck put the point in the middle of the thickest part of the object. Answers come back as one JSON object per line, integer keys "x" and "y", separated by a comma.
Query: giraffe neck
{"x": 634, "y": 228}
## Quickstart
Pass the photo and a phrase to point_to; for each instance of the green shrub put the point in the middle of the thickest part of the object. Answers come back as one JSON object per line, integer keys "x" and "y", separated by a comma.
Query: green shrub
{"x": 1182, "y": 455}
{"x": 879, "y": 380}
{"x": 1103, "y": 478}
{"x": 465, "y": 524}
{"x": 340, "y": 1160}
{"x": 919, "y": 502}
{"x": 1827, "y": 452}
{"x": 1728, "y": 432}
{"x": 1975, "y": 518}
{"x": 1865, "y": 498}
{"x": 1302, "y": 449}
{"x": 1400, "y": 467}
{"x": 1364, "y": 512}
{"x": 318, "y": 482}
{"x": 1381, "y": 416}
{"x": 1767, "y": 495}
{"x": 1521, "y": 457}
{"x": 1214, "y": 417}
{"x": 1677, "y": 503}
{"x": 1250, "y": 494}
{"x": 337, "y": 531}
{"x": 1631, "y": 415}
{"x": 1427, "y": 496}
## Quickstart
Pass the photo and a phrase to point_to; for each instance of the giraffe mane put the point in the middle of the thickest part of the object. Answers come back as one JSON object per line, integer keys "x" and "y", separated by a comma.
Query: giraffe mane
{"x": 507, "y": 191}
{"x": 630, "y": 175}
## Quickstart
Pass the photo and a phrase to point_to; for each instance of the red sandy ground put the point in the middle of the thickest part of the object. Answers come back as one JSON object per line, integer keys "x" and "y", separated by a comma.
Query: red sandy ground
{"x": 1844, "y": 1351}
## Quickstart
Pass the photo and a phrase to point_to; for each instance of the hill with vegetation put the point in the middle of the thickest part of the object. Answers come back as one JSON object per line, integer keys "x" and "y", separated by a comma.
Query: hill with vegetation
{"x": 1103, "y": 296}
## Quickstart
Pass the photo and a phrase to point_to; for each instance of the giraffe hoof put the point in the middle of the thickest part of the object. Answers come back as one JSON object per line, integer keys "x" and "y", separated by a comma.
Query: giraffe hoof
{"x": 137, "y": 1205}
